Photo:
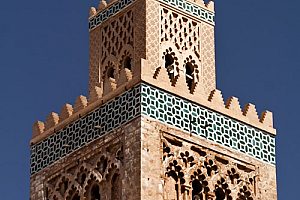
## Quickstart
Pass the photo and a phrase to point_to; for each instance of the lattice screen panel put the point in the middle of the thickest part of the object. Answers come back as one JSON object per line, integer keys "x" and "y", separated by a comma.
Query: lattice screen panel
{"x": 182, "y": 31}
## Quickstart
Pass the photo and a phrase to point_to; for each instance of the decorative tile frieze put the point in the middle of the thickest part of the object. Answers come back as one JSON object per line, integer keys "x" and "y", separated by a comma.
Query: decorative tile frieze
{"x": 86, "y": 129}
{"x": 206, "y": 123}
{"x": 160, "y": 105}
{"x": 105, "y": 14}
{"x": 183, "y": 5}
{"x": 192, "y": 9}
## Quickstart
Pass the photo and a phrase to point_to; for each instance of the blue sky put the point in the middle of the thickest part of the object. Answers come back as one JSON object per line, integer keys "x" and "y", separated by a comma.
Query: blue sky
{"x": 44, "y": 64}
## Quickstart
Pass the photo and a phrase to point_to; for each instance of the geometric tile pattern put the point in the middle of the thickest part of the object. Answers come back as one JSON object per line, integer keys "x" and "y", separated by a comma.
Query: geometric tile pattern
{"x": 184, "y": 5}
{"x": 206, "y": 123}
{"x": 160, "y": 105}
{"x": 85, "y": 130}
{"x": 106, "y": 13}
{"x": 192, "y": 9}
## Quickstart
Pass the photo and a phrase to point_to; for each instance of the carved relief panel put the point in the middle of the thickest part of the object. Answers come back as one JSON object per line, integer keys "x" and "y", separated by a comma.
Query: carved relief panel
{"x": 98, "y": 177}
{"x": 180, "y": 49}
{"x": 186, "y": 51}
{"x": 191, "y": 172}
{"x": 117, "y": 51}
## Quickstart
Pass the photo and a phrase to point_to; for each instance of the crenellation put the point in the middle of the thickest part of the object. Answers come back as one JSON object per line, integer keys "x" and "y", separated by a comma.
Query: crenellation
{"x": 66, "y": 112}
{"x": 233, "y": 104}
{"x": 153, "y": 126}
{"x": 199, "y": 2}
{"x": 216, "y": 98}
{"x": 85, "y": 106}
{"x": 93, "y": 11}
{"x": 95, "y": 94}
{"x": 51, "y": 121}
{"x": 267, "y": 118}
{"x": 38, "y": 128}
{"x": 210, "y": 5}
{"x": 80, "y": 103}
{"x": 250, "y": 112}
{"x": 160, "y": 78}
{"x": 102, "y": 5}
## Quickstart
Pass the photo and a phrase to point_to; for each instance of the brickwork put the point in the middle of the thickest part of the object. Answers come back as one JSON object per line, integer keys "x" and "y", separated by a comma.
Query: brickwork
{"x": 117, "y": 153}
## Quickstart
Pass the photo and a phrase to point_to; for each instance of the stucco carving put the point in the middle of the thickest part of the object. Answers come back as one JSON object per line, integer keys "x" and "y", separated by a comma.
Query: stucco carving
{"x": 98, "y": 177}
{"x": 194, "y": 173}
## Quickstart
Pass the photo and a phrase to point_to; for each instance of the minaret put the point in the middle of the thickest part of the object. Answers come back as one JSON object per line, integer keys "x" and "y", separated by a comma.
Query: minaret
{"x": 154, "y": 126}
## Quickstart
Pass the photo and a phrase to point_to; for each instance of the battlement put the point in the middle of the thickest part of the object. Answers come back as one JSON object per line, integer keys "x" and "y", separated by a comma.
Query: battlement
{"x": 188, "y": 84}
{"x": 83, "y": 105}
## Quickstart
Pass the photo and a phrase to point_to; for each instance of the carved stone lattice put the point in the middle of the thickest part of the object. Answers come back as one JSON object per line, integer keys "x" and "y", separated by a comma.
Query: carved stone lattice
{"x": 117, "y": 34}
{"x": 182, "y": 31}
{"x": 95, "y": 178}
{"x": 199, "y": 174}
{"x": 208, "y": 57}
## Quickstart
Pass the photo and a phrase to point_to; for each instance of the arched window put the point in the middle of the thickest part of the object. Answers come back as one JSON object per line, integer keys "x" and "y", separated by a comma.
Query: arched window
{"x": 189, "y": 73}
{"x": 171, "y": 64}
{"x": 127, "y": 63}
{"x": 169, "y": 61}
{"x": 95, "y": 192}
{"x": 197, "y": 188}
{"x": 220, "y": 194}
{"x": 111, "y": 72}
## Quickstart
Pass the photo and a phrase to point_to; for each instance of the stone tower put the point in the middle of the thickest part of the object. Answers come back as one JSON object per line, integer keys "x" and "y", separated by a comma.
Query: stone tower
{"x": 154, "y": 125}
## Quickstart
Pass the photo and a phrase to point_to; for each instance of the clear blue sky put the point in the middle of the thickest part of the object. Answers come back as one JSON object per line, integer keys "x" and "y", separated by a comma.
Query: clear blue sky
{"x": 44, "y": 64}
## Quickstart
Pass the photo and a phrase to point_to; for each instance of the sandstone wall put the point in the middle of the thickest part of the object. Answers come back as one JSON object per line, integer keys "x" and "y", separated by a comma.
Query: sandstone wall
{"x": 169, "y": 153}
{"x": 117, "y": 152}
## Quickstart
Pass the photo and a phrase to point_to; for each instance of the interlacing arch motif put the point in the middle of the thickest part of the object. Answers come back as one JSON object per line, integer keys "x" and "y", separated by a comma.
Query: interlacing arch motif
{"x": 184, "y": 65}
{"x": 110, "y": 70}
{"x": 126, "y": 64}
{"x": 182, "y": 36}
{"x": 88, "y": 180}
{"x": 126, "y": 61}
{"x": 110, "y": 75}
{"x": 171, "y": 64}
{"x": 197, "y": 174}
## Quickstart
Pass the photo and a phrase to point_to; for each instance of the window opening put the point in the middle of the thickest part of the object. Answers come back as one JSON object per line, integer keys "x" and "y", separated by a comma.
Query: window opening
{"x": 95, "y": 192}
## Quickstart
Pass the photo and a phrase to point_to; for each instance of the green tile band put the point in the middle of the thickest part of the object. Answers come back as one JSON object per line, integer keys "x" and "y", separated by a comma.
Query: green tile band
{"x": 206, "y": 123}
{"x": 157, "y": 104}
{"x": 83, "y": 131}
